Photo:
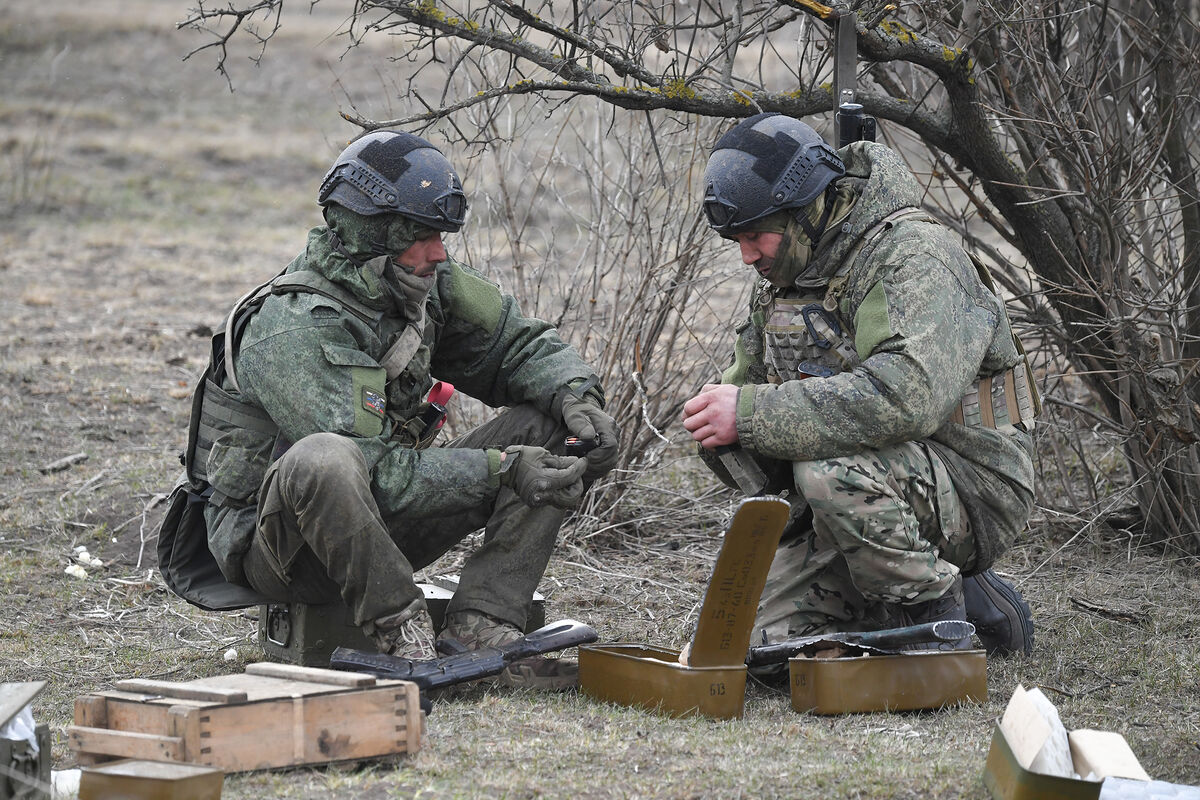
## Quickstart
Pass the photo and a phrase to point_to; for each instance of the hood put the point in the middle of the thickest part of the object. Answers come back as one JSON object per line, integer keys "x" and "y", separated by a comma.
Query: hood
{"x": 347, "y": 251}
{"x": 884, "y": 185}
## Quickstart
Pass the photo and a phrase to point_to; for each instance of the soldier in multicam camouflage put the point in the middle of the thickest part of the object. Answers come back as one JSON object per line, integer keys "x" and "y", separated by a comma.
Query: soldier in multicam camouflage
{"x": 316, "y": 434}
{"x": 877, "y": 382}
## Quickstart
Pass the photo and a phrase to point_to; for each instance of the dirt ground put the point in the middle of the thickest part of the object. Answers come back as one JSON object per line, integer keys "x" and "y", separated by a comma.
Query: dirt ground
{"x": 139, "y": 197}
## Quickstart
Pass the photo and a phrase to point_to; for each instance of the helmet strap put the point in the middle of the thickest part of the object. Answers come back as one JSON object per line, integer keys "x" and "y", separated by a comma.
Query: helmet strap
{"x": 815, "y": 232}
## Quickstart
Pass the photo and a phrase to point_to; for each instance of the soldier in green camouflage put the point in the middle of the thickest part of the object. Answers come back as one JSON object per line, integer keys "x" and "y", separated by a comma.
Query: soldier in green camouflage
{"x": 315, "y": 434}
{"x": 877, "y": 382}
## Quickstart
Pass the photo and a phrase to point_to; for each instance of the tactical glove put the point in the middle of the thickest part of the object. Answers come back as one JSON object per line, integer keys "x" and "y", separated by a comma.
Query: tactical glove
{"x": 541, "y": 478}
{"x": 587, "y": 421}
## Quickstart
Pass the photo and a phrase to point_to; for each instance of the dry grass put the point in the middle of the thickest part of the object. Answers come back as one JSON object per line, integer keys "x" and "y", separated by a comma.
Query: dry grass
{"x": 125, "y": 179}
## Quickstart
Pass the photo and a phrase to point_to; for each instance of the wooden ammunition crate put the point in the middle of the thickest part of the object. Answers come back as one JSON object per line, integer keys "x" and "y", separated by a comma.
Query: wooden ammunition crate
{"x": 273, "y": 715}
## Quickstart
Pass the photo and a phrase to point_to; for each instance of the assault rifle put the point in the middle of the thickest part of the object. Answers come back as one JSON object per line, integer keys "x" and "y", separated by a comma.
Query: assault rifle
{"x": 467, "y": 665}
{"x": 885, "y": 641}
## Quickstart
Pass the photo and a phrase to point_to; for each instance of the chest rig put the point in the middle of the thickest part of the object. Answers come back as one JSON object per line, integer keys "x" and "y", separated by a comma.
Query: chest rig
{"x": 802, "y": 338}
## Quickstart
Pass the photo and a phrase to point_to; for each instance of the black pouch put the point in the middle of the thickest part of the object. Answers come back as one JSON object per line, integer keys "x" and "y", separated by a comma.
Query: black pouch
{"x": 186, "y": 563}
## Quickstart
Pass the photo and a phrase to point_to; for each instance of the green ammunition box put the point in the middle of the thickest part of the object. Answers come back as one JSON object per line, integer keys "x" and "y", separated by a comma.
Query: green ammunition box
{"x": 152, "y": 780}
{"x": 298, "y": 633}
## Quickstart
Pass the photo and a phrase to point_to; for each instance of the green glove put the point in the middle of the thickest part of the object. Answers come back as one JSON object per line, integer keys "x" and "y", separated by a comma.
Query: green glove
{"x": 587, "y": 421}
{"x": 541, "y": 478}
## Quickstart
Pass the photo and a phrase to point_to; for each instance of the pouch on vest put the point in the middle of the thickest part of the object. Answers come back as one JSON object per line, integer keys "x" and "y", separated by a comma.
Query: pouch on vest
{"x": 184, "y": 560}
{"x": 187, "y": 566}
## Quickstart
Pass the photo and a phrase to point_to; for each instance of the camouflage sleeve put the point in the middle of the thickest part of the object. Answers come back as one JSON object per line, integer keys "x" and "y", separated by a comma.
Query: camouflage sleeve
{"x": 491, "y": 351}
{"x": 303, "y": 367}
{"x": 747, "y": 364}
{"x": 921, "y": 334}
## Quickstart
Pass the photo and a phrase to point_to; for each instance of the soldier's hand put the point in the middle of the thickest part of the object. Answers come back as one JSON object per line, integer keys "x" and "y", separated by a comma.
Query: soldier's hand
{"x": 541, "y": 478}
{"x": 711, "y": 416}
{"x": 587, "y": 421}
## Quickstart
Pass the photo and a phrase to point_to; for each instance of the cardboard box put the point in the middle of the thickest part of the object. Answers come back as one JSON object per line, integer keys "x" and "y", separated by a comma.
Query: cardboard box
{"x": 150, "y": 780}
{"x": 916, "y": 680}
{"x": 274, "y": 715}
{"x": 1022, "y": 745}
{"x": 712, "y": 682}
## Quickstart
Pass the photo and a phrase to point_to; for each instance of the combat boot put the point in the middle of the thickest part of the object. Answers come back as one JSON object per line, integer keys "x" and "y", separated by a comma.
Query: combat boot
{"x": 473, "y": 630}
{"x": 406, "y": 634}
{"x": 1002, "y": 619}
{"x": 950, "y": 606}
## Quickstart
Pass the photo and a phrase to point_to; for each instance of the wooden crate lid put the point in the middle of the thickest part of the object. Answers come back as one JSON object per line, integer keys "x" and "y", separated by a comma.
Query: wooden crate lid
{"x": 261, "y": 681}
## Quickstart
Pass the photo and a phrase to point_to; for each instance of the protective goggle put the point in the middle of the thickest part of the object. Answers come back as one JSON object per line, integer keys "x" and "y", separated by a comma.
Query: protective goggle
{"x": 452, "y": 206}
{"x": 720, "y": 212}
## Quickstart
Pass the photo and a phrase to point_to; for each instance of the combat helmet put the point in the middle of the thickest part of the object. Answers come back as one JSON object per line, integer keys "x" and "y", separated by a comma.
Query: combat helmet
{"x": 764, "y": 164}
{"x": 392, "y": 172}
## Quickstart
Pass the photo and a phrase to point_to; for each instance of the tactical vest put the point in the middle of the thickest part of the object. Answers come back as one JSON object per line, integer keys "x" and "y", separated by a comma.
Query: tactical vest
{"x": 217, "y": 410}
{"x": 806, "y": 336}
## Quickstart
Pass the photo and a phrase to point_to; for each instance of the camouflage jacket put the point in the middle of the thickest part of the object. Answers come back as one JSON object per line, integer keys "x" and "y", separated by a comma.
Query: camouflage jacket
{"x": 313, "y": 364}
{"x": 924, "y": 327}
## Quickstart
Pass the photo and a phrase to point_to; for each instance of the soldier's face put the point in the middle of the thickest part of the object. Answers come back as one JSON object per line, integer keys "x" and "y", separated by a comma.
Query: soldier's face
{"x": 759, "y": 249}
{"x": 422, "y": 256}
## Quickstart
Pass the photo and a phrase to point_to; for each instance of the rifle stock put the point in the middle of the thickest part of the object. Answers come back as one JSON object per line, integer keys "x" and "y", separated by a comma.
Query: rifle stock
{"x": 886, "y": 640}
{"x": 468, "y": 665}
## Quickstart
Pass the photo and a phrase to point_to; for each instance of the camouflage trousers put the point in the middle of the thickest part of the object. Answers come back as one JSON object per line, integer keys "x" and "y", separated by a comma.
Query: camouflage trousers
{"x": 321, "y": 537}
{"x": 868, "y": 531}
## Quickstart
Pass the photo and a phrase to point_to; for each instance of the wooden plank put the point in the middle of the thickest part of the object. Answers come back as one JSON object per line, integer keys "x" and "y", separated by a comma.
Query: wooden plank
{"x": 293, "y": 672}
{"x": 261, "y": 687}
{"x": 136, "y": 715}
{"x": 182, "y": 691}
{"x": 183, "y": 723}
{"x": 91, "y": 711}
{"x": 128, "y": 744}
{"x": 410, "y": 719}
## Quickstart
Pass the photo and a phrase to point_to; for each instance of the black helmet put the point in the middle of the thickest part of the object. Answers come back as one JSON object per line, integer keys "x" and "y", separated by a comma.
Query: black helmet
{"x": 391, "y": 172}
{"x": 764, "y": 164}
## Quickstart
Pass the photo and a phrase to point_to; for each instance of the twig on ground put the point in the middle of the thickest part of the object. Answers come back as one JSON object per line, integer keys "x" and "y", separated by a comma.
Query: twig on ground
{"x": 1132, "y": 617}
{"x": 66, "y": 462}
{"x": 151, "y": 503}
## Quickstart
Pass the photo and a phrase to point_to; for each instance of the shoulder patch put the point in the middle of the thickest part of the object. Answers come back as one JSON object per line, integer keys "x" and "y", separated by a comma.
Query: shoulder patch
{"x": 374, "y": 402}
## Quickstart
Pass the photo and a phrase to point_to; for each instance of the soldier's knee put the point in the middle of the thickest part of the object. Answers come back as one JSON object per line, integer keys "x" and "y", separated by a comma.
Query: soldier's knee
{"x": 838, "y": 478}
{"x": 817, "y": 479}
{"x": 321, "y": 460}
